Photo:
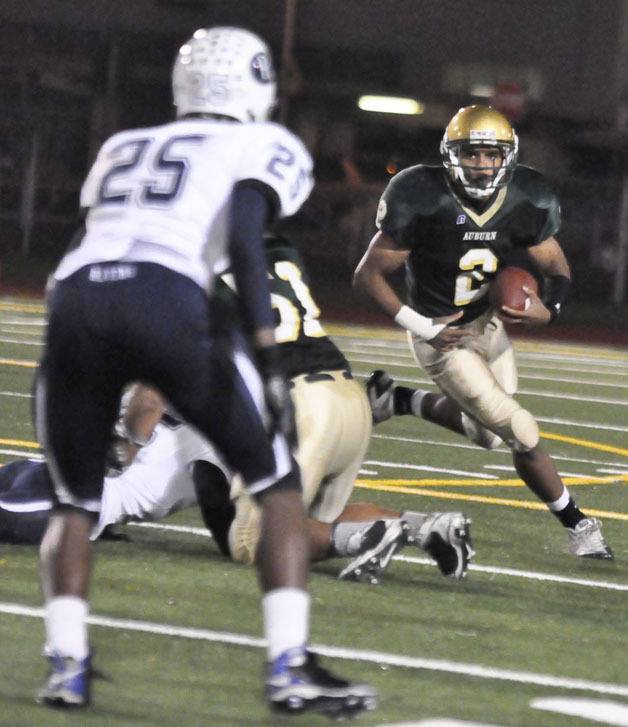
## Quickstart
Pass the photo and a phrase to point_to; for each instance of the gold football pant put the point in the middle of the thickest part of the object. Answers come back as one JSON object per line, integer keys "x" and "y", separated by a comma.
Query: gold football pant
{"x": 334, "y": 426}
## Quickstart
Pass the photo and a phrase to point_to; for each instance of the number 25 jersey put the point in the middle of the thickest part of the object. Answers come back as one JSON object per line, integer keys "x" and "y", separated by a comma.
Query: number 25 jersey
{"x": 162, "y": 194}
{"x": 455, "y": 250}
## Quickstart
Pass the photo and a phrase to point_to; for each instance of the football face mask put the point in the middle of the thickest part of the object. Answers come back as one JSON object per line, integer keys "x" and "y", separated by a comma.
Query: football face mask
{"x": 479, "y": 151}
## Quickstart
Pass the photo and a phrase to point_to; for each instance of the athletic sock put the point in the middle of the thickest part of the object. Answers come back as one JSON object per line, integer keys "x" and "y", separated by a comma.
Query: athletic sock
{"x": 66, "y": 628}
{"x": 408, "y": 401}
{"x": 286, "y": 619}
{"x": 346, "y": 537}
{"x": 566, "y": 510}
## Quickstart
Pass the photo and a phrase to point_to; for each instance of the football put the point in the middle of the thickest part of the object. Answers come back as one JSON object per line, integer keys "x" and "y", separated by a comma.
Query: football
{"x": 507, "y": 288}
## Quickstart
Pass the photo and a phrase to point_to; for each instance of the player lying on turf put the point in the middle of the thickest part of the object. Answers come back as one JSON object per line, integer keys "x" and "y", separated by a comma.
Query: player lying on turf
{"x": 452, "y": 226}
{"x": 177, "y": 463}
{"x": 334, "y": 426}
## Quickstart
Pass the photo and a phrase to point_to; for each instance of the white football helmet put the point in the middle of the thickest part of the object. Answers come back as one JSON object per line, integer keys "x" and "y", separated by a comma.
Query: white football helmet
{"x": 226, "y": 71}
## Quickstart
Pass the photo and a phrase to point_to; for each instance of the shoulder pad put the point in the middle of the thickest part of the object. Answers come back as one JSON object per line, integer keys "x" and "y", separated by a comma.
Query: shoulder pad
{"x": 533, "y": 185}
{"x": 413, "y": 192}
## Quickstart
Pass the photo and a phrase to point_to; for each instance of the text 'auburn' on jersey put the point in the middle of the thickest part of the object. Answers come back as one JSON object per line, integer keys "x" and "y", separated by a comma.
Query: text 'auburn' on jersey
{"x": 455, "y": 247}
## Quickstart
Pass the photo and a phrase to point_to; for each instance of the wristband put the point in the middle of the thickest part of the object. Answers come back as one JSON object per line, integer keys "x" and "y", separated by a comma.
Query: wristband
{"x": 558, "y": 289}
{"x": 419, "y": 325}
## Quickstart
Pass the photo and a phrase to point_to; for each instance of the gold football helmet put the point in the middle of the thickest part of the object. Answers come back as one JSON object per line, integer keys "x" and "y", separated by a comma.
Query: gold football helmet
{"x": 479, "y": 126}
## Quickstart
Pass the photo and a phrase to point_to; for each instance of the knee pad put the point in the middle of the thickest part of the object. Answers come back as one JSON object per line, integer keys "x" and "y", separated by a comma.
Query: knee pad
{"x": 480, "y": 435}
{"x": 525, "y": 431}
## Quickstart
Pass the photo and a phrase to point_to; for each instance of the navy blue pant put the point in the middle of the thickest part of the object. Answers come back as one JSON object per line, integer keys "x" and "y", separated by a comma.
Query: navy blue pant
{"x": 25, "y": 501}
{"x": 114, "y": 323}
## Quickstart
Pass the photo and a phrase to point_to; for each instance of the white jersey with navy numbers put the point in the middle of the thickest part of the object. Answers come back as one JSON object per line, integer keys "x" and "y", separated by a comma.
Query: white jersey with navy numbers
{"x": 162, "y": 194}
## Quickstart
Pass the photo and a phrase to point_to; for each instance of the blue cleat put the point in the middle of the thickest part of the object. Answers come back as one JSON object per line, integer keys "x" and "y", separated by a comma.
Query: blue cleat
{"x": 295, "y": 683}
{"x": 68, "y": 684}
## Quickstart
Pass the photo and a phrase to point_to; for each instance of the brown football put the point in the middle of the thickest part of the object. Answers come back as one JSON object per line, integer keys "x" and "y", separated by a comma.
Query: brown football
{"x": 507, "y": 288}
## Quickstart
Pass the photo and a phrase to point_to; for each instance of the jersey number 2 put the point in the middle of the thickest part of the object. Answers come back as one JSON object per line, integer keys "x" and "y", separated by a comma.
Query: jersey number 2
{"x": 471, "y": 285}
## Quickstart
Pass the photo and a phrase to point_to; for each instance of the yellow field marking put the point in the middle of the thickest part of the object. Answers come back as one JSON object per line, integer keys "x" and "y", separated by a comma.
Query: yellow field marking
{"x": 23, "y": 307}
{"x": 18, "y": 362}
{"x": 524, "y": 504}
{"x": 586, "y": 443}
{"x": 514, "y": 482}
{"x": 20, "y": 443}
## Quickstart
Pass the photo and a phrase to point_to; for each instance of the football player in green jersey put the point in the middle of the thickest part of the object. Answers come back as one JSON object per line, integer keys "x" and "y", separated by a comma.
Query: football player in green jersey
{"x": 452, "y": 226}
{"x": 333, "y": 422}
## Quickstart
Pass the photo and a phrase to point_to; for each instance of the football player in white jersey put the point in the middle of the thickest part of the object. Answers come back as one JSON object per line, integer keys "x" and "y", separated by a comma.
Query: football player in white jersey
{"x": 165, "y": 206}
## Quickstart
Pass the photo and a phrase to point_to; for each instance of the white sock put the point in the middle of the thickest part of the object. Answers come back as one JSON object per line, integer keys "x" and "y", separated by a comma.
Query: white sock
{"x": 286, "y": 619}
{"x": 561, "y": 503}
{"x": 66, "y": 630}
{"x": 416, "y": 401}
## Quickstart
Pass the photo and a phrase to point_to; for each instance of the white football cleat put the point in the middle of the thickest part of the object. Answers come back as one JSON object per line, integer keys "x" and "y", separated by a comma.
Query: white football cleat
{"x": 586, "y": 540}
{"x": 446, "y": 537}
{"x": 381, "y": 541}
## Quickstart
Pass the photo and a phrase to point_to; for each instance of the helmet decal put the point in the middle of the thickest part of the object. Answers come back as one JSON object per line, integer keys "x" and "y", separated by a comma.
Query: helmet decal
{"x": 262, "y": 68}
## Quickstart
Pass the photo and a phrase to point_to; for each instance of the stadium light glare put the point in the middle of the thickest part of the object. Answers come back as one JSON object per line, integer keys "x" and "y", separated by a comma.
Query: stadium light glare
{"x": 482, "y": 90}
{"x": 390, "y": 105}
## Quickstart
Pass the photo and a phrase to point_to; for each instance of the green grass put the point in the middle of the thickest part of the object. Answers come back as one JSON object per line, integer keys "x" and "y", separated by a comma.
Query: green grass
{"x": 494, "y": 620}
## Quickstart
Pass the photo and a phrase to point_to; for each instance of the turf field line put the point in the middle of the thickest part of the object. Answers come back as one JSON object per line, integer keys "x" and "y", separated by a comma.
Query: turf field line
{"x": 569, "y": 368}
{"x": 334, "y": 652}
{"x": 506, "y": 468}
{"x": 522, "y": 392}
{"x": 484, "y": 480}
{"x": 501, "y": 450}
{"x": 530, "y": 575}
{"x": 21, "y": 453}
{"x": 586, "y": 443}
{"x": 484, "y": 499}
{"x": 16, "y": 394}
{"x": 23, "y": 307}
{"x": 510, "y": 482}
{"x": 38, "y": 322}
{"x": 535, "y": 377}
{"x": 20, "y": 443}
{"x": 21, "y": 342}
{"x": 18, "y": 362}
{"x": 490, "y": 569}
{"x": 428, "y": 468}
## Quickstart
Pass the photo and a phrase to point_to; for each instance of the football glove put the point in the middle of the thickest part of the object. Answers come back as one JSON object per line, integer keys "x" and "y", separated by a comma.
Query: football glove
{"x": 277, "y": 394}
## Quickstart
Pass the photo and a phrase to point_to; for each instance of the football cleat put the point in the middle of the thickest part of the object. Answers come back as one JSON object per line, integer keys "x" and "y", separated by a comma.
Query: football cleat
{"x": 68, "y": 684}
{"x": 379, "y": 390}
{"x": 446, "y": 537}
{"x": 380, "y": 542}
{"x": 587, "y": 541}
{"x": 295, "y": 683}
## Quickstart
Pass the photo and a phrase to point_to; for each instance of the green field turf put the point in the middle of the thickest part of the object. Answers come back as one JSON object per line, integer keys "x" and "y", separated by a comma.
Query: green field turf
{"x": 179, "y": 626}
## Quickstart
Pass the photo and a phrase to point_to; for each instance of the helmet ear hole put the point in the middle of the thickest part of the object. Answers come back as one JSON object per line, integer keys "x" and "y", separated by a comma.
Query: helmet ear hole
{"x": 224, "y": 71}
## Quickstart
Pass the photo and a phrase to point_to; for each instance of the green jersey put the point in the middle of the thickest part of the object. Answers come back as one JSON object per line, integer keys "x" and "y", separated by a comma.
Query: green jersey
{"x": 455, "y": 250}
{"x": 304, "y": 346}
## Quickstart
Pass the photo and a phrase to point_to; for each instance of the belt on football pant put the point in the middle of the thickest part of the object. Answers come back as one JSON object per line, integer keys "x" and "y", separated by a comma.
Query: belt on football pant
{"x": 322, "y": 376}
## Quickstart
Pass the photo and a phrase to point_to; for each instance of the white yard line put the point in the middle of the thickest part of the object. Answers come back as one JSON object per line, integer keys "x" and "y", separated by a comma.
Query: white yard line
{"x": 428, "y": 468}
{"x": 523, "y": 392}
{"x": 501, "y": 450}
{"x": 16, "y": 394}
{"x": 21, "y": 342}
{"x": 492, "y": 570}
{"x": 376, "y": 657}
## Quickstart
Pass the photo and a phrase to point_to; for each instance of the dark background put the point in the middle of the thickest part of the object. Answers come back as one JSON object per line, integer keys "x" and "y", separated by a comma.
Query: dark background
{"x": 73, "y": 72}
